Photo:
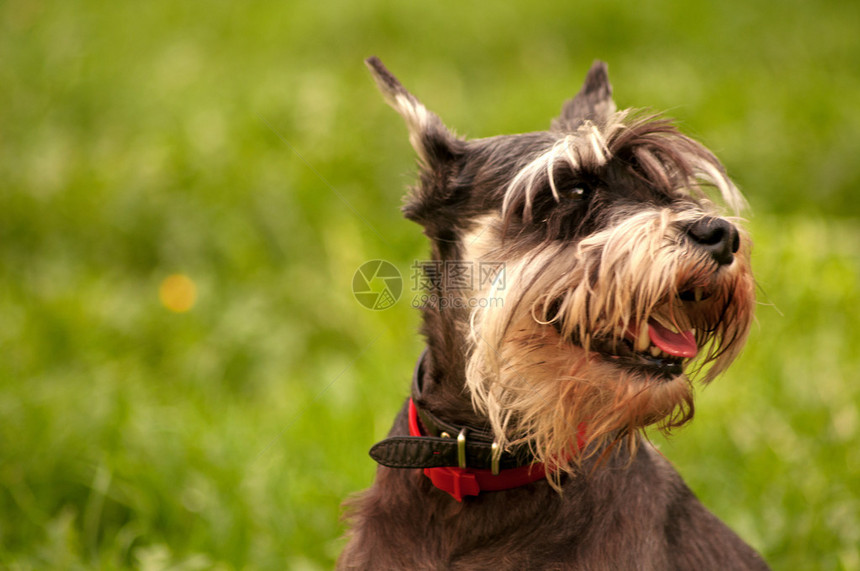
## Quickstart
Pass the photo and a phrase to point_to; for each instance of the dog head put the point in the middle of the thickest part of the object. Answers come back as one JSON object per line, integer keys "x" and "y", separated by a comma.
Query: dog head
{"x": 622, "y": 278}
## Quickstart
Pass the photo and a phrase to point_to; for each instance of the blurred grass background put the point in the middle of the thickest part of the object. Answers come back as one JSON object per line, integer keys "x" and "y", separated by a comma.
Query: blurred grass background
{"x": 243, "y": 145}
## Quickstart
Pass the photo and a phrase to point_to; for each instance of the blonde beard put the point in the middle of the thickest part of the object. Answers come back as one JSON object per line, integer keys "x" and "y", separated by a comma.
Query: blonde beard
{"x": 537, "y": 386}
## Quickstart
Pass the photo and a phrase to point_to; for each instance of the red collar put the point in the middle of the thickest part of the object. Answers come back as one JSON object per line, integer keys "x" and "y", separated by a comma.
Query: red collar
{"x": 462, "y": 466}
{"x": 461, "y": 482}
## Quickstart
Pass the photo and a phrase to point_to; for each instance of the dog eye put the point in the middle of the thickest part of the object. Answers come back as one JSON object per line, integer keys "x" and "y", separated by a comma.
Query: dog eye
{"x": 574, "y": 192}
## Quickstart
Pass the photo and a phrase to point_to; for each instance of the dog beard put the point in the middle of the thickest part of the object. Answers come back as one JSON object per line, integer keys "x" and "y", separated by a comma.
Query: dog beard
{"x": 600, "y": 338}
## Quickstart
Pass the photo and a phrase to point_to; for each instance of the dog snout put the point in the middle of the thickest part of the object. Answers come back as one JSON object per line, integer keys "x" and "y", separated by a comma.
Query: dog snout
{"x": 717, "y": 236}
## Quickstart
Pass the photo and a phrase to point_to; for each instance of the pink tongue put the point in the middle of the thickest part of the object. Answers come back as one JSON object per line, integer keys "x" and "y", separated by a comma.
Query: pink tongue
{"x": 677, "y": 344}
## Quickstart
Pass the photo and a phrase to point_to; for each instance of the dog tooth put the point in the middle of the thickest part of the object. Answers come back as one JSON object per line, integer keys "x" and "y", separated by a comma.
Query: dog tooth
{"x": 655, "y": 351}
{"x": 698, "y": 294}
{"x": 643, "y": 340}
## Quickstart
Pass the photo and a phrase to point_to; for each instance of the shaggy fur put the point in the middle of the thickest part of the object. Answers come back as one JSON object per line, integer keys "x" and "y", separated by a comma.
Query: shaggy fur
{"x": 622, "y": 282}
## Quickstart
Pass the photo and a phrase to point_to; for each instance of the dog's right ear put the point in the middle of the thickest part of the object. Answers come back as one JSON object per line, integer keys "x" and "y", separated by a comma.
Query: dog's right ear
{"x": 433, "y": 142}
{"x": 593, "y": 102}
{"x": 437, "y": 147}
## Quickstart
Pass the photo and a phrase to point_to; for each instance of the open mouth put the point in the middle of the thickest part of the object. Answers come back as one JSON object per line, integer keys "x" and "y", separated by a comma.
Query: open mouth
{"x": 655, "y": 346}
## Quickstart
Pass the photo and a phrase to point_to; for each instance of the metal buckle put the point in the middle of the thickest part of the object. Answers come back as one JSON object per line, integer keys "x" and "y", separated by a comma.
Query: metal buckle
{"x": 494, "y": 461}
{"x": 461, "y": 449}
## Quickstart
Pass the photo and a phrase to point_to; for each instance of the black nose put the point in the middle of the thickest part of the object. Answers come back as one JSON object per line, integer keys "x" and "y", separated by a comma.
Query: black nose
{"x": 717, "y": 236}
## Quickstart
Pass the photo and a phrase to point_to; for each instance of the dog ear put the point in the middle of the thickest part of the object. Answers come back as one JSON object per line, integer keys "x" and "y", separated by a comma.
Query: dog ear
{"x": 433, "y": 142}
{"x": 437, "y": 147}
{"x": 593, "y": 102}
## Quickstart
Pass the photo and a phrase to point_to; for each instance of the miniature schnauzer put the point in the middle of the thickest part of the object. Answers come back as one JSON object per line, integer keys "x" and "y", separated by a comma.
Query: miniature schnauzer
{"x": 522, "y": 444}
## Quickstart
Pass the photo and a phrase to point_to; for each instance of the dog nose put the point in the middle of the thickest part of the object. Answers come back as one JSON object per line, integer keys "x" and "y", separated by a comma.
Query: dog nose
{"x": 718, "y": 237}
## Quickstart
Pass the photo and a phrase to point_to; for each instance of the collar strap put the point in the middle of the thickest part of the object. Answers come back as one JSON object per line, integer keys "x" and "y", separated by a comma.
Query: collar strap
{"x": 464, "y": 481}
{"x": 461, "y": 461}
{"x": 456, "y": 466}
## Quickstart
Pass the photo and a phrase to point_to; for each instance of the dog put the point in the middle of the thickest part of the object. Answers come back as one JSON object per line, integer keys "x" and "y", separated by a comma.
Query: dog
{"x": 618, "y": 280}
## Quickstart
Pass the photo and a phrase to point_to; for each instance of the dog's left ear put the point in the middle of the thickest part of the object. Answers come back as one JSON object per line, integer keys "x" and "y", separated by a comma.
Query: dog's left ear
{"x": 593, "y": 102}
{"x": 433, "y": 142}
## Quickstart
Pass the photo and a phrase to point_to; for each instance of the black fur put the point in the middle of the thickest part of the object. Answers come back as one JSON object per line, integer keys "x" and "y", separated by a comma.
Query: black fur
{"x": 622, "y": 508}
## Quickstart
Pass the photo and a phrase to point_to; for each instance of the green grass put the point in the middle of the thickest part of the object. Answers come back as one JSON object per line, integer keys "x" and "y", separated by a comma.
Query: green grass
{"x": 245, "y": 146}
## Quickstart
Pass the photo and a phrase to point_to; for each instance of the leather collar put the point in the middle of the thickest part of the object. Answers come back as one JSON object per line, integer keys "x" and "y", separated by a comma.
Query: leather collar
{"x": 460, "y": 460}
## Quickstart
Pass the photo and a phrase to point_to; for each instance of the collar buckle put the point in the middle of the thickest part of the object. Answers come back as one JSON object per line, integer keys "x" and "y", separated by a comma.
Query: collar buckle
{"x": 461, "y": 449}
